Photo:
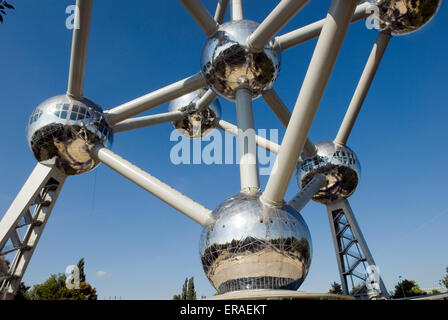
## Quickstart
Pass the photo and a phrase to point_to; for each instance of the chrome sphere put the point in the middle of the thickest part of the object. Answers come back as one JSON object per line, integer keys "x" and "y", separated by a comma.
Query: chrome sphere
{"x": 227, "y": 62}
{"x": 195, "y": 124}
{"x": 338, "y": 164}
{"x": 63, "y": 127}
{"x": 252, "y": 246}
{"x": 405, "y": 16}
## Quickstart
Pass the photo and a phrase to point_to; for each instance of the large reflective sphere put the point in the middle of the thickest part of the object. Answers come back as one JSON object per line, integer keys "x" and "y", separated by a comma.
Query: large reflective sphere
{"x": 251, "y": 246}
{"x": 339, "y": 164}
{"x": 195, "y": 124}
{"x": 227, "y": 62}
{"x": 405, "y": 16}
{"x": 62, "y": 126}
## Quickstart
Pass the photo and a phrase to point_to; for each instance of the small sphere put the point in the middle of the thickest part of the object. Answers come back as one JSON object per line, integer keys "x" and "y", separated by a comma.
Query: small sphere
{"x": 405, "y": 16}
{"x": 195, "y": 124}
{"x": 338, "y": 164}
{"x": 227, "y": 62}
{"x": 252, "y": 246}
{"x": 63, "y": 127}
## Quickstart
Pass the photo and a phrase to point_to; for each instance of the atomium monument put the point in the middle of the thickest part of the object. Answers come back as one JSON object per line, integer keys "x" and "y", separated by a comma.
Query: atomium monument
{"x": 254, "y": 244}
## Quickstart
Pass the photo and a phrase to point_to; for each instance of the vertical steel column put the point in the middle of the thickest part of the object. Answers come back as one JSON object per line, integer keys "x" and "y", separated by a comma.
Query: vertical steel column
{"x": 344, "y": 208}
{"x": 338, "y": 250}
{"x": 246, "y": 142}
{"x": 236, "y": 12}
{"x": 313, "y": 87}
{"x": 33, "y": 205}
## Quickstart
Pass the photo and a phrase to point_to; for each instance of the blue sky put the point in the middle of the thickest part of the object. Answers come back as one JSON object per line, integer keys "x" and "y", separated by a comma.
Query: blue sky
{"x": 146, "y": 248}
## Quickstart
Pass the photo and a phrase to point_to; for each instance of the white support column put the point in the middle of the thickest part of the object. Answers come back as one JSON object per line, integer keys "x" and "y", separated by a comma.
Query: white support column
{"x": 313, "y": 87}
{"x": 155, "y": 98}
{"x": 276, "y": 20}
{"x": 80, "y": 44}
{"x": 236, "y": 12}
{"x": 261, "y": 142}
{"x": 201, "y": 16}
{"x": 363, "y": 87}
{"x": 246, "y": 142}
{"x": 284, "y": 115}
{"x": 221, "y": 9}
{"x": 344, "y": 205}
{"x": 306, "y": 194}
{"x": 40, "y": 191}
{"x": 312, "y": 31}
{"x": 164, "y": 192}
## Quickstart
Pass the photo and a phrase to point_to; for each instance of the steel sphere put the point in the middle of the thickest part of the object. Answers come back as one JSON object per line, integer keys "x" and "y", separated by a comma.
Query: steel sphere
{"x": 338, "y": 164}
{"x": 405, "y": 16}
{"x": 62, "y": 127}
{"x": 252, "y": 246}
{"x": 227, "y": 62}
{"x": 195, "y": 124}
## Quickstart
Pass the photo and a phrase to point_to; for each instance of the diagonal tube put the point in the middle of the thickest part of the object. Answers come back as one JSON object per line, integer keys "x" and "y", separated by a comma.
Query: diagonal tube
{"x": 363, "y": 87}
{"x": 284, "y": 115}
{"x": 201, "y": 16}
{"x": 313, "y": 87}
{"x": 260, "y": 141}
{"x": 205, "y": 100}
{"x": 221, "y": 11}
{"x": 246, "y": 141}
{"x": 164, "y": 192}
{"x": 276, "y": 20}
{"x": 306, "y": 194}
{"x": 313, "y": 30}
{"x": 155, "y": 98}
{"x": 80, "y": 42}
{"x": 147, "y": 121}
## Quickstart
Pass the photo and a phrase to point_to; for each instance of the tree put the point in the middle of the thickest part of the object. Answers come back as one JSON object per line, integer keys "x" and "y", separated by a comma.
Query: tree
{"x": 335, "y": 288}
{"x": 445, "y": 279}
{"x": 82, "y": 275}
{"x": 191, "y": 292}
{"x": 407, "y": 288}
{"x": 3, "y": 6}
{"x": 55, "y": 288}
{"x": 188, "y": 291}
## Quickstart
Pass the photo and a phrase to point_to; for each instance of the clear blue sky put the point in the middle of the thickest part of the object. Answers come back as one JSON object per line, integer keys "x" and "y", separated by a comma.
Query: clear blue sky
{"x": 147, "y": 248}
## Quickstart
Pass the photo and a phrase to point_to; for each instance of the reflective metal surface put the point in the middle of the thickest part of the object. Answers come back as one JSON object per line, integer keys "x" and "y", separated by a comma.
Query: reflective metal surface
{"x": 195, "y": 124}
{"x": 227, "y": 61}
{"x": 405, "y": 16}
{"x": 338, "y": 164}
{"x": 251, "y": 246}
{"x": 61, "y": 126}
